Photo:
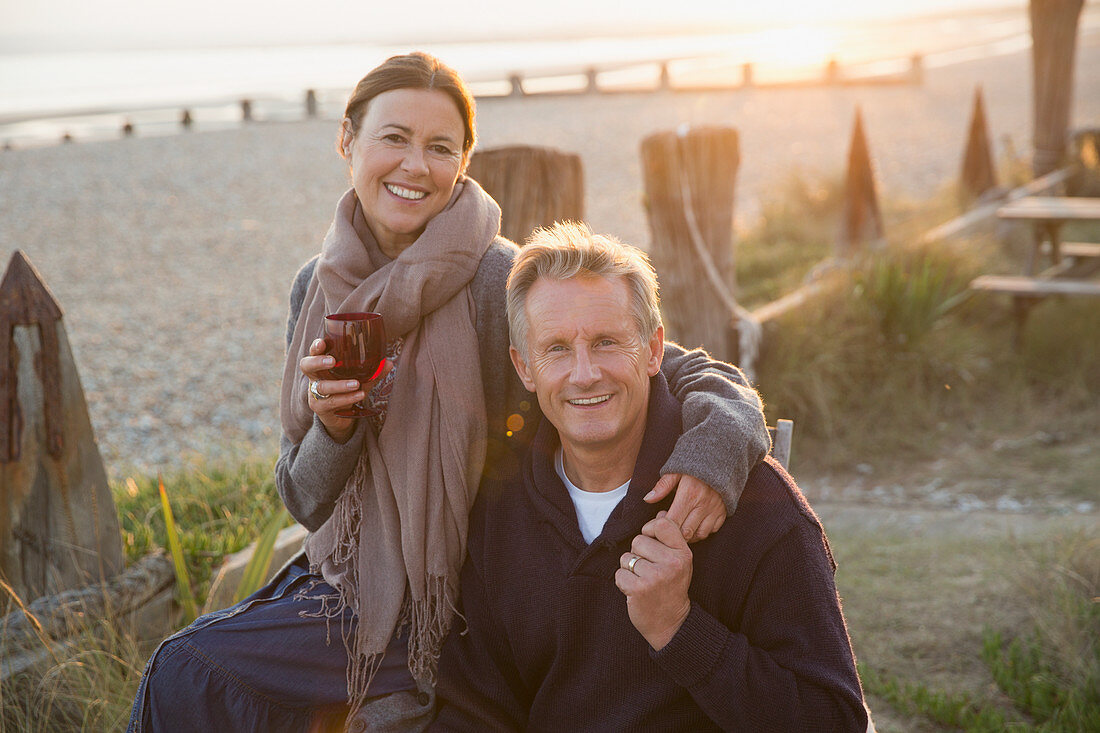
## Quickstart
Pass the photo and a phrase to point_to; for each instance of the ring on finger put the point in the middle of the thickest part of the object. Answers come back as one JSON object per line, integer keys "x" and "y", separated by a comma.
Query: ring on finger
{"x": 313, "y": 390}
{"x": 632, "y": 562}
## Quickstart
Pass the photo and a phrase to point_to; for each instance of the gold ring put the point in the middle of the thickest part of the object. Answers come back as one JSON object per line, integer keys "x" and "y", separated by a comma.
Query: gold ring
{"x": 633, "y": 561}
{"x": 313, "y": 390}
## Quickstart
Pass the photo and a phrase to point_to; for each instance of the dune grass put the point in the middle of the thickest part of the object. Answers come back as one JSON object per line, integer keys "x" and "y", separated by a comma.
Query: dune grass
{"x": 90, "y": 684}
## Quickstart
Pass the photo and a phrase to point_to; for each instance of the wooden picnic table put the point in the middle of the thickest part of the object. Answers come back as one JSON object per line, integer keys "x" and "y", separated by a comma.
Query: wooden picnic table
{"x": 1071, "y": 262}
{"x": 1049, "y": 214}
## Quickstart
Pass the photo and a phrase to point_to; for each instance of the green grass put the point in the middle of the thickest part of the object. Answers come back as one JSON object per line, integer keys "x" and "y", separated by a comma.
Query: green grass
{"x": 218, "y": 510}
{"x": 1033, "y": 667}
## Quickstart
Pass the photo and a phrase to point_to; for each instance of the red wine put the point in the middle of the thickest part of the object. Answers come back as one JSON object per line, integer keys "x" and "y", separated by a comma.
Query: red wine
{"x": 358, "y": 343}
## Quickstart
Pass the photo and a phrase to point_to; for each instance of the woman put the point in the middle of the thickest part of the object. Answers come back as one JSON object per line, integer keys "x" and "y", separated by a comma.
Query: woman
{"x": 387, "y": 498}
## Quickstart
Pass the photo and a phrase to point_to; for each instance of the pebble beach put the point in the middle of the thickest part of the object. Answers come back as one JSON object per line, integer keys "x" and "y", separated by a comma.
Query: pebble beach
{"x": 172, "y": 256}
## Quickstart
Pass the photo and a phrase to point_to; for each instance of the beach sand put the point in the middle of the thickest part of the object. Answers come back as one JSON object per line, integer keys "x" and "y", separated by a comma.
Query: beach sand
{"x": 172, "y": 256}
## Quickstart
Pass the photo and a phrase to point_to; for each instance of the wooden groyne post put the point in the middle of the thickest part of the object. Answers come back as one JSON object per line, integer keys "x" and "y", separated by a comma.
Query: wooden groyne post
{"x": 58, "y": 524}
{"x": 534, "y": 186}
{"x": 977, "y": 175}
{"x": 861, "y": 219}
{"x": 690, "y": 178}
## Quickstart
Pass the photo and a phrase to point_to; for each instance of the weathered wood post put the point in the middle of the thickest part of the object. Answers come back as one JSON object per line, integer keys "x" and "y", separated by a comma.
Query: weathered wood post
{"x": 311, "y": 103}
{"x": 517, "y": 85}
{"x": 978, "y": 174}
{"x": 534, "y": 186}
{"x": 916, "y": 69}
{"x": 690, "y": 179}
{"x": 861, "y": 220}
{"x": 1053, "y": 50}
{"x": 592, "y": 85}
{"x": 58, "y": 524}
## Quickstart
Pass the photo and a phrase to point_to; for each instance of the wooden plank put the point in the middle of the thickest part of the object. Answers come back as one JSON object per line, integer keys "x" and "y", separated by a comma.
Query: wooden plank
{"x": 1056, "y": 208}
{"x": 1033, "y": 286}
{"x": 790, "y": 301}
{"x": 782, "y": 436}
{"x": 966, "y": 222}
{"x": 1079, "y": 250}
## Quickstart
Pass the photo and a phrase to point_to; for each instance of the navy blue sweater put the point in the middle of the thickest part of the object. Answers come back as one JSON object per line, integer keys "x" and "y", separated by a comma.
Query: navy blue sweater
{"x": 549, "y": 644}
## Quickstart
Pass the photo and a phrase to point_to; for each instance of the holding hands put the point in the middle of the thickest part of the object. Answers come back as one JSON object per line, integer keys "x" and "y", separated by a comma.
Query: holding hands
{"x": 327, "y": 396}
{"x": 655, "y": 576}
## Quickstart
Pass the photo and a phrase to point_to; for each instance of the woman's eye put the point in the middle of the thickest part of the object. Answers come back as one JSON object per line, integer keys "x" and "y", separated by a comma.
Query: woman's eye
{"x": 394, "y": 138}
{"x": 442, "y": 150}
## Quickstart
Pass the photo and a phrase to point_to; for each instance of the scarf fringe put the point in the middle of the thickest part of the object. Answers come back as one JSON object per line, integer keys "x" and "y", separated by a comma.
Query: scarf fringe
{"x": 429, "y": 620}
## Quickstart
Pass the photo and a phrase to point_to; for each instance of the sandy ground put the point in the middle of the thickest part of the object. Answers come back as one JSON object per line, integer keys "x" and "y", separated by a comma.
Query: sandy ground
{"x": 172, "y": 256}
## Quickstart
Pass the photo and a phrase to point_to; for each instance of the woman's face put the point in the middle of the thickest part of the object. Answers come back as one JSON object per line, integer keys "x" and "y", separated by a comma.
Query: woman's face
{"x": 405, "y": 159}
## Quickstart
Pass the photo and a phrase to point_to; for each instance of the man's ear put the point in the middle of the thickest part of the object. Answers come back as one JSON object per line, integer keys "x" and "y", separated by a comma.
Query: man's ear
{"x": 656, "y": 351}
{"x": 521, "y": 368}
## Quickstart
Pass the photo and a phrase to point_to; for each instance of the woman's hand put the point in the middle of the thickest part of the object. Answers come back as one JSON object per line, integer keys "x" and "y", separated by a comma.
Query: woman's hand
{"x": 338, "y": 394}
{"x": 697, "y": 509}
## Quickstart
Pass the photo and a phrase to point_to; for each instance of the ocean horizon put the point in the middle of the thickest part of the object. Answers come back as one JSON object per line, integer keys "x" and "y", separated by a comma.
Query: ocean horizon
{"x": 91, "y": 93}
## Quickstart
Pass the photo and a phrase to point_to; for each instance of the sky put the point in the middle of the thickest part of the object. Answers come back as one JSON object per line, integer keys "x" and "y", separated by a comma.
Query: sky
{"x": 150, "y": 23}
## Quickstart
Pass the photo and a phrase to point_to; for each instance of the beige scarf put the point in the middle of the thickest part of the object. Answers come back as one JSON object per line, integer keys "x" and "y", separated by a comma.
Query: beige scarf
{"x": 396, "y": 539}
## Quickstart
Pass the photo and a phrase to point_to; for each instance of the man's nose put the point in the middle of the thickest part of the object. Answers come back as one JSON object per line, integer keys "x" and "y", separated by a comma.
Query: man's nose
{"x": 585, "y": 371}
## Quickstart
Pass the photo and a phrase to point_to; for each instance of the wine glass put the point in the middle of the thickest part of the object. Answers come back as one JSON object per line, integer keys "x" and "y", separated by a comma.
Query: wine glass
{"x": 357, "y": 341}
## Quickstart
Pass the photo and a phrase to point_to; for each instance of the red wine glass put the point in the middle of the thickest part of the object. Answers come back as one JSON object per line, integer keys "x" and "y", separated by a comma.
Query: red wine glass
{"x": 357, "y": 341}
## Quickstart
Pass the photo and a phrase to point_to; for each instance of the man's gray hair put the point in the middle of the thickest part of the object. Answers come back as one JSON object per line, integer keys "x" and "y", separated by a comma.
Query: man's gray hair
{"x": 570, "y": 249}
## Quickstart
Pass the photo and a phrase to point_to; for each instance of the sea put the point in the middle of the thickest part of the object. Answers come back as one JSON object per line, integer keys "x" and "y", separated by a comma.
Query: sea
{"x": 48, "y": 96}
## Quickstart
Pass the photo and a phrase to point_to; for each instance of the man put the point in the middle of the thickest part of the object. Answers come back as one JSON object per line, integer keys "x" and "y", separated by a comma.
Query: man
{"x": 585, "y": 608}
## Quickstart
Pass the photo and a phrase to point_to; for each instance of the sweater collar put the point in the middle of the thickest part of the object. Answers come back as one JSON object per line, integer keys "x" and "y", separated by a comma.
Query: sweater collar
{"x": 551, "y": 500}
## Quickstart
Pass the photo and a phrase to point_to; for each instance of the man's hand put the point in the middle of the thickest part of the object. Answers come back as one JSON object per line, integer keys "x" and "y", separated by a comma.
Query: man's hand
{"x": 656, "y": 583}
{"x": 697, "y": 509}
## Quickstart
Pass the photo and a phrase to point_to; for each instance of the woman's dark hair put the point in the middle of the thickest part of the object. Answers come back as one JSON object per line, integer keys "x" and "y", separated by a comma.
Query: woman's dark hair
{"x": 415, "y": 70}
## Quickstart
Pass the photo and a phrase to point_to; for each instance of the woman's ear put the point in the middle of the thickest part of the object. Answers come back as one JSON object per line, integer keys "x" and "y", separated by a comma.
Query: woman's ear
{"x": 346, "y": 136}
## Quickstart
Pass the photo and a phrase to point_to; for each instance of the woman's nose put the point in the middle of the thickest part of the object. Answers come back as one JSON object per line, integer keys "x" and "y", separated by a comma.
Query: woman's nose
{"x": 415, "y": 160}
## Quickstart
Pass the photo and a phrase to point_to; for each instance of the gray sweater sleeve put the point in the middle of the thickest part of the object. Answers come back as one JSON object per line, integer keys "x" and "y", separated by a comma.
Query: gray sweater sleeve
{"x": 310, "y": 475}
{"x": 725, "y": 434}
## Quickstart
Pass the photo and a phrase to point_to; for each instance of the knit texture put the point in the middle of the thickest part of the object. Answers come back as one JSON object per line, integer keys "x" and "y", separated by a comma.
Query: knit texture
{"x": 549, "y": 644}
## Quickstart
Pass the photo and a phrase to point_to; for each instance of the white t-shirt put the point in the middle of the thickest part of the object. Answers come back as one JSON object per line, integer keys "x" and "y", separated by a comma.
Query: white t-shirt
{"x": 593, "y": 507}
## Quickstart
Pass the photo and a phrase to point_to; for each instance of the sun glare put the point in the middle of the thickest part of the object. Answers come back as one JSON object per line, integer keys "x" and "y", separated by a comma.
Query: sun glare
{"x": 795, "y": 47}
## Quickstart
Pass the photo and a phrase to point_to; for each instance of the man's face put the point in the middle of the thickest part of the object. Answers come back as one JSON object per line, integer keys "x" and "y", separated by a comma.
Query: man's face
{"x": 587, "y": 362}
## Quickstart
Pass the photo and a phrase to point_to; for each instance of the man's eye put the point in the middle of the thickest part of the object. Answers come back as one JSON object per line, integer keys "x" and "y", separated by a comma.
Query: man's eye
{"x": 606, "y": 342}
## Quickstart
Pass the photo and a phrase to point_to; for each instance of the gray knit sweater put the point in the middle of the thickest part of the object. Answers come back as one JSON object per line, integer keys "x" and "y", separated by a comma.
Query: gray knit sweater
{"x": 724, "y": 436}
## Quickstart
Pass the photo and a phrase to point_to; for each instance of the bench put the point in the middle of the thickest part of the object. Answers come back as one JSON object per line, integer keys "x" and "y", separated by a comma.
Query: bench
{"x": 1027, "y": 291}
{"x": 782, "y": 435}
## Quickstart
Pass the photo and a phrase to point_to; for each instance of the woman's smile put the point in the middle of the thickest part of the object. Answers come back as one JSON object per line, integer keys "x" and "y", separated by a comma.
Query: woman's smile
{"x": 405, "y": 157}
